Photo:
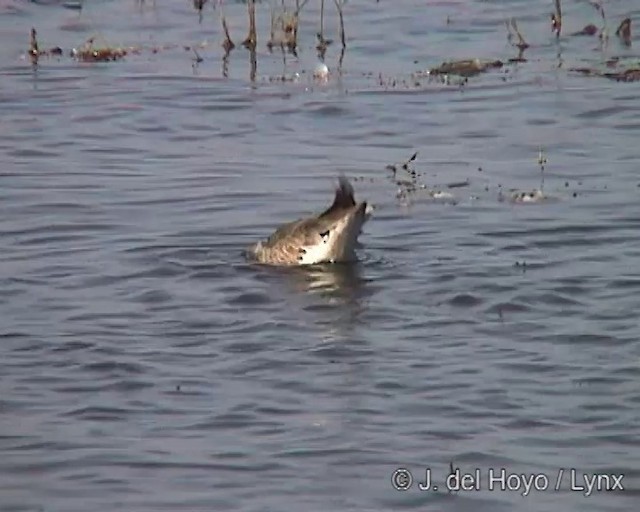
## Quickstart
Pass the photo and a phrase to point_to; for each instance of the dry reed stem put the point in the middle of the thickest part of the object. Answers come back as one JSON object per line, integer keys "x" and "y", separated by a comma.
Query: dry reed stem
{"x": 252, "y": 40}
{"x": 227, "y": 43}
{"x": 33, "y": 47}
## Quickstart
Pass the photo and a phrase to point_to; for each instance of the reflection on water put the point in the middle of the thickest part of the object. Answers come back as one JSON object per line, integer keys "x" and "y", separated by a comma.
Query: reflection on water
{"x": 342, "y": 281}
{"x": 335, "y": 294}
{"x": 346, "y": 293}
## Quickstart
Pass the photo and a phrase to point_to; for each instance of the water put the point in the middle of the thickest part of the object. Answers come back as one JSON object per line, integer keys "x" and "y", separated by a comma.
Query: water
{"x": 146, "y": 366}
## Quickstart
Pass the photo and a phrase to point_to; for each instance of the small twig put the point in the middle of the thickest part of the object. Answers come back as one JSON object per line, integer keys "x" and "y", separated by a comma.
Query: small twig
{"x": 271, "y": 41}
{"x": 299, "y": 6}
{"x": 198, "y": 5}
{"x": 341, "y": 59}
{"x": 322, "y": 42}
{"x": 228, "y": 43}
{"x": 251, "y": 41}
{"x": 556, "y": 19}
{"x": 33, "y": 47}
{"x": 405, "y": 165}
{"x": 542, "y": 161}
{"x": 597, "y": 5}
{"x": 522, "y": 44}
{"x": 509, "y": 33}
{"x": 225, "y": 64}
{"x": 458, "y": 184}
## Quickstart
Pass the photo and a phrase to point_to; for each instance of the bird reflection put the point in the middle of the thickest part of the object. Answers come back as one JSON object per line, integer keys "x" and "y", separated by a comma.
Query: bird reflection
{"x": 338, "y": 281}
{"x": 341, "y": 290}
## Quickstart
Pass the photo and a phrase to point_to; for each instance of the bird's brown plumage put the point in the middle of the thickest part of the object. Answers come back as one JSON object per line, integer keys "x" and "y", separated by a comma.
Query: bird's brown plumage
{"x": 327, "y": 237}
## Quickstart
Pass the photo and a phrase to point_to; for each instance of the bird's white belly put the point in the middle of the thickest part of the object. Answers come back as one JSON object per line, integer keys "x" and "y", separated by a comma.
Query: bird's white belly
{"x": 319, "y": 253}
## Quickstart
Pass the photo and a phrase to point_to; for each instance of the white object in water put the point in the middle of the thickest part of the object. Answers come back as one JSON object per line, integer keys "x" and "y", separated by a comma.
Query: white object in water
{"x": 535, "y": 196}
{"x": 321, "y": 71}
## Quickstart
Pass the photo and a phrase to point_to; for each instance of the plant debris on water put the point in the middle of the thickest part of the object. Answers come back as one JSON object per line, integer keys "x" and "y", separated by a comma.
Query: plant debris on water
{"x": 405, "y": 177}
{"x": 89, "y": 53}
{"x": 465, "y": 68}
{"x": 284, "y": 33}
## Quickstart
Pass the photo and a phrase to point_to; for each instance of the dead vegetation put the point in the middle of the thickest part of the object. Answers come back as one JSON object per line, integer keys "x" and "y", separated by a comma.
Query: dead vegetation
{"x": 468, "y": 68}
{"x": 514, "y": 33}
{"x": 284, "y": 34}
{"x": 537, "y": 194}
{"x": 413, "y": 185}
{"x": 284, "y": 30}
{"x": 465, "y": 68}
{"x": 622, "y": 75}
{"x": 410, "y": 188}
{"x": 285, "y": 21}
{"x": 90, "y": 53}
{"x": 35, "y": 52}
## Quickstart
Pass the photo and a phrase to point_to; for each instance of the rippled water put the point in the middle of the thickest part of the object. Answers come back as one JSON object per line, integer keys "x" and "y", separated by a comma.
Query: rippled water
{"x": 147, "y": 366}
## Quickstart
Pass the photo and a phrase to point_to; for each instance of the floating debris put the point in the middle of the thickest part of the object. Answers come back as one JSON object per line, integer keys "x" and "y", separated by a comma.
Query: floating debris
{"x": 413, "y": 157}
{"x": 466, "y": 68}
{"x": 628, "y": 74}
{"x": 35, "y": 52}
{"x": 535, "y": 196}
{"x": 409, "y": 189}
{"x": 196, "y": 59}
{"x": 439, "y": 194}
{"x": 589, "y": 30}
{"x": 88, "y": 53}
{"x": 458, "y": 184}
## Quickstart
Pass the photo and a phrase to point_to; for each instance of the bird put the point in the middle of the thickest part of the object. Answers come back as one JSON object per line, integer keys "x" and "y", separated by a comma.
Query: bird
{"x": 329, "y": 237}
